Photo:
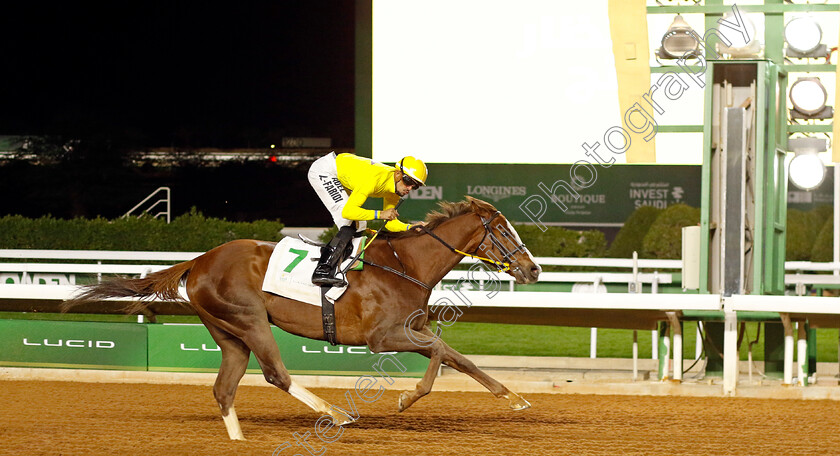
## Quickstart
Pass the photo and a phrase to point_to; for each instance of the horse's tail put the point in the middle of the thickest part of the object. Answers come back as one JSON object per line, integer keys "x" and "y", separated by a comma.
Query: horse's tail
{"x": 161, "y": 285}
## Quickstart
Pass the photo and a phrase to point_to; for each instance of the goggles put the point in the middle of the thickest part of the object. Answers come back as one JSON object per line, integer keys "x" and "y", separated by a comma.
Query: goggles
{"x": 410, "y": 181}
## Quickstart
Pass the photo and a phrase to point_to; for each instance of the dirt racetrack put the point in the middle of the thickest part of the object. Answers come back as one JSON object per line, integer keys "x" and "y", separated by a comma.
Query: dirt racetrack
{"x": 131, "y": 419}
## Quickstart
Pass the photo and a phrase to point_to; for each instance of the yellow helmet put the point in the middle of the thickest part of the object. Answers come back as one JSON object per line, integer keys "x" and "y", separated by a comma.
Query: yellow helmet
{"x": 413, "y": 168}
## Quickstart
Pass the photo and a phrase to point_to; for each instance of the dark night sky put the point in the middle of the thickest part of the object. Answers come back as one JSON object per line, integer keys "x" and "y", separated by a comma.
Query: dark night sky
{"x": 191, "y": 74}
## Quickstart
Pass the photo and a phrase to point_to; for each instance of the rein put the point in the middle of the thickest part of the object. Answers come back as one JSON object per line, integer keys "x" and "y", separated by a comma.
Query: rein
{"x": 502, "y": 266}
{"x": 392, "y": 270}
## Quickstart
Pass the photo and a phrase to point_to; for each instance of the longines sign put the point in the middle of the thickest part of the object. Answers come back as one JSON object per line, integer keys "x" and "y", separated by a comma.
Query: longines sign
{"x": 496, "y": 193}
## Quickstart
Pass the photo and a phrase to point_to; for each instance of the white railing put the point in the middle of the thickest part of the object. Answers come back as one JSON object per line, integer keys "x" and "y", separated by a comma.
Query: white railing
{"x": 790, "y": 307}
{"x": 25, "y": 278}
{"x": 64, "y": 273}
{"x": 811, "y": 266}
{"x": 53, "y": 271}
{"x": 166, "y": 200}
{"x": 97, "y": 255}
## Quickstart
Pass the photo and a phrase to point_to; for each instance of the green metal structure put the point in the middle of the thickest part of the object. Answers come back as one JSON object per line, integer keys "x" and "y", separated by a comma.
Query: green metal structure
{"x": 770, "y": 185}
{"x": 771, "y": 128}
{"x": 768, "y": 205}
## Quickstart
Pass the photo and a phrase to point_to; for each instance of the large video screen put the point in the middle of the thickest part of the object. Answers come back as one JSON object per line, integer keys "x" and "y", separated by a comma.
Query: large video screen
{"x": 495, "y": 81}
{"x": 491, "y": 81}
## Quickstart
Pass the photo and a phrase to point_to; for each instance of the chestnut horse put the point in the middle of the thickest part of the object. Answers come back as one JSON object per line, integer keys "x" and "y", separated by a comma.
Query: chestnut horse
{"x": 224, "y": 286}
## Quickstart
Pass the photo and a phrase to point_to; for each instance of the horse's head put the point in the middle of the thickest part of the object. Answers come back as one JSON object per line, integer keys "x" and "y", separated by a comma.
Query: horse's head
{"x": 501, "y": 243}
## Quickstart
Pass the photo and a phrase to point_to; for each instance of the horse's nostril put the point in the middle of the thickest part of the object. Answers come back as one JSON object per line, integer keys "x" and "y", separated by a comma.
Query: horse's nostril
{"x": 536, "y": 270}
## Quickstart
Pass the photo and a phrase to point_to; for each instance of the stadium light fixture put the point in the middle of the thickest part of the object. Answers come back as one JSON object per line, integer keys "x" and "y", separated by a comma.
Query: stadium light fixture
{"x": 809, "y": 97}
{"x": 803, "y": 36}
{"x": 679, "y": 41}
{"x": 740, "y": 48}
{"x": 807, "y": 170}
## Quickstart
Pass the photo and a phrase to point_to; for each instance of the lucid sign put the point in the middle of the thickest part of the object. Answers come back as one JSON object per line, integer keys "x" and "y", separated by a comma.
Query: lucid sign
{"x": 72, "y": 343}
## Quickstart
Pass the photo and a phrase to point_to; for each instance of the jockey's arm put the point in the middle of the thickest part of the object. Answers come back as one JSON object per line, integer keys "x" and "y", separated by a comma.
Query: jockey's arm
{"x": 353, "y": 209}
{"x": 390, "y": 202}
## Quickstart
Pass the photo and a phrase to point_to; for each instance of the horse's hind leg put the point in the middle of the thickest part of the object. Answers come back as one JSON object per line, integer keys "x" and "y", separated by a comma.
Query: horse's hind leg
{"x": 261, "y": 341}
{"x": 398, "y": 341}
{"x": 235, "y": 356}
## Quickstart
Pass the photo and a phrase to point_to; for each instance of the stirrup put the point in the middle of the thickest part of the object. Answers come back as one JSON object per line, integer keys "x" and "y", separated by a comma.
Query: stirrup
{"x": 327, "y": 276}
{"x": 329, "y": 280}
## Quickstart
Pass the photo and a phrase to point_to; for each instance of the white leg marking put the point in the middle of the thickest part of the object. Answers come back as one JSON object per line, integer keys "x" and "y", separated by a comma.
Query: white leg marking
{"x": 319, "y": 405}
{"x": 304, "y": 395}
{"x": 232, "y": 425}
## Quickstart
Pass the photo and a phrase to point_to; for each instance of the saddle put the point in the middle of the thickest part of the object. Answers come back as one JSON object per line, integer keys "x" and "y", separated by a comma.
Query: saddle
{"x": 289, "y": 275}
{"x": 327, "y": 306}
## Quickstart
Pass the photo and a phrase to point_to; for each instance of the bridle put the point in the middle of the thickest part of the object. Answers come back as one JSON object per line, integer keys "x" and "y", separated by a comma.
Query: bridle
{"x": 507, "y": 255}
{"x": 501, "y": 266}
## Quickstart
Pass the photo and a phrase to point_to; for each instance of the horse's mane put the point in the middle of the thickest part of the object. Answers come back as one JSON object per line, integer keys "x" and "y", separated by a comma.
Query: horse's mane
{"x": 446, "y": 211}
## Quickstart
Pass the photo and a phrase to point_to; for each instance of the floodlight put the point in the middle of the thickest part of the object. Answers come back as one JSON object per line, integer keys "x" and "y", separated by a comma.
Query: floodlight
{"x": 807, "y": 170}
{"x": 680, "y": 41}
{"x": 809, "y": 96}
{"x": 803, "y": 36}
{"x": 739, "y": 48}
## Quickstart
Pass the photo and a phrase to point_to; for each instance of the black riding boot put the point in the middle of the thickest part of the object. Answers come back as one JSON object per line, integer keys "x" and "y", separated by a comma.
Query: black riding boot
{"x": 331, "y": 256}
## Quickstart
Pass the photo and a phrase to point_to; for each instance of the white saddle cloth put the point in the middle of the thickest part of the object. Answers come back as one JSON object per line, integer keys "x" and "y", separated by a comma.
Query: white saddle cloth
{"x": 290, "y": 269}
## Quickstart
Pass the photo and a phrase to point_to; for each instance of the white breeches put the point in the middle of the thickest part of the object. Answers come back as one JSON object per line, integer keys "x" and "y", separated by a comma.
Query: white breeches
{"x": 323, "y": 176}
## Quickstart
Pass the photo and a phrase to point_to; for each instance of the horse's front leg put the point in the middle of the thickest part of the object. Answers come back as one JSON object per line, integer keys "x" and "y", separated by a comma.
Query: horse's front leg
{"x": 437, "y": 351}
{"x": 460, "y": 362}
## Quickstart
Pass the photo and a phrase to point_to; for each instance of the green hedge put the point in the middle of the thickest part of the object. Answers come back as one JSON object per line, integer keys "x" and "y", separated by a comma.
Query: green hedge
{"x": 808, "y": 233}
{"x": 823, "y": 249}
{"x": 664, "y": 238}
{"x": 808, "y": 237}
{"x": 561, "y": 242}
{"x": 816, "y": 218}
{"x": 191, "y": 232}
{"x": 799, "y": 239}
{"x": 631, "y": 236}
{"x": 804, "y": 239}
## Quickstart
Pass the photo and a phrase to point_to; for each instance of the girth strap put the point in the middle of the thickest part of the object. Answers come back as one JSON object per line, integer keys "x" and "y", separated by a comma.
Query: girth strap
{"x": 328, "y": 316}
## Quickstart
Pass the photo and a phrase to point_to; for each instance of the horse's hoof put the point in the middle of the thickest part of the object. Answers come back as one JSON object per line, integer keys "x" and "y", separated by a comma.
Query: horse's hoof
{"x": 517, "y": 402}
{"x": 340, "y": 419}
{"x": 401, "y": 403}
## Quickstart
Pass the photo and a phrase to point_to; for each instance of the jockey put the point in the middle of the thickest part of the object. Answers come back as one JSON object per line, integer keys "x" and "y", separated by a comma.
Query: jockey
{"x": 333, "y": 177}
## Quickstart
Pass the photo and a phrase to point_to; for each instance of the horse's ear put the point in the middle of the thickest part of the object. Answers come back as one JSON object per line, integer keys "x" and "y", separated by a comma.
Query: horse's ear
{"x": 481, "y": 207}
